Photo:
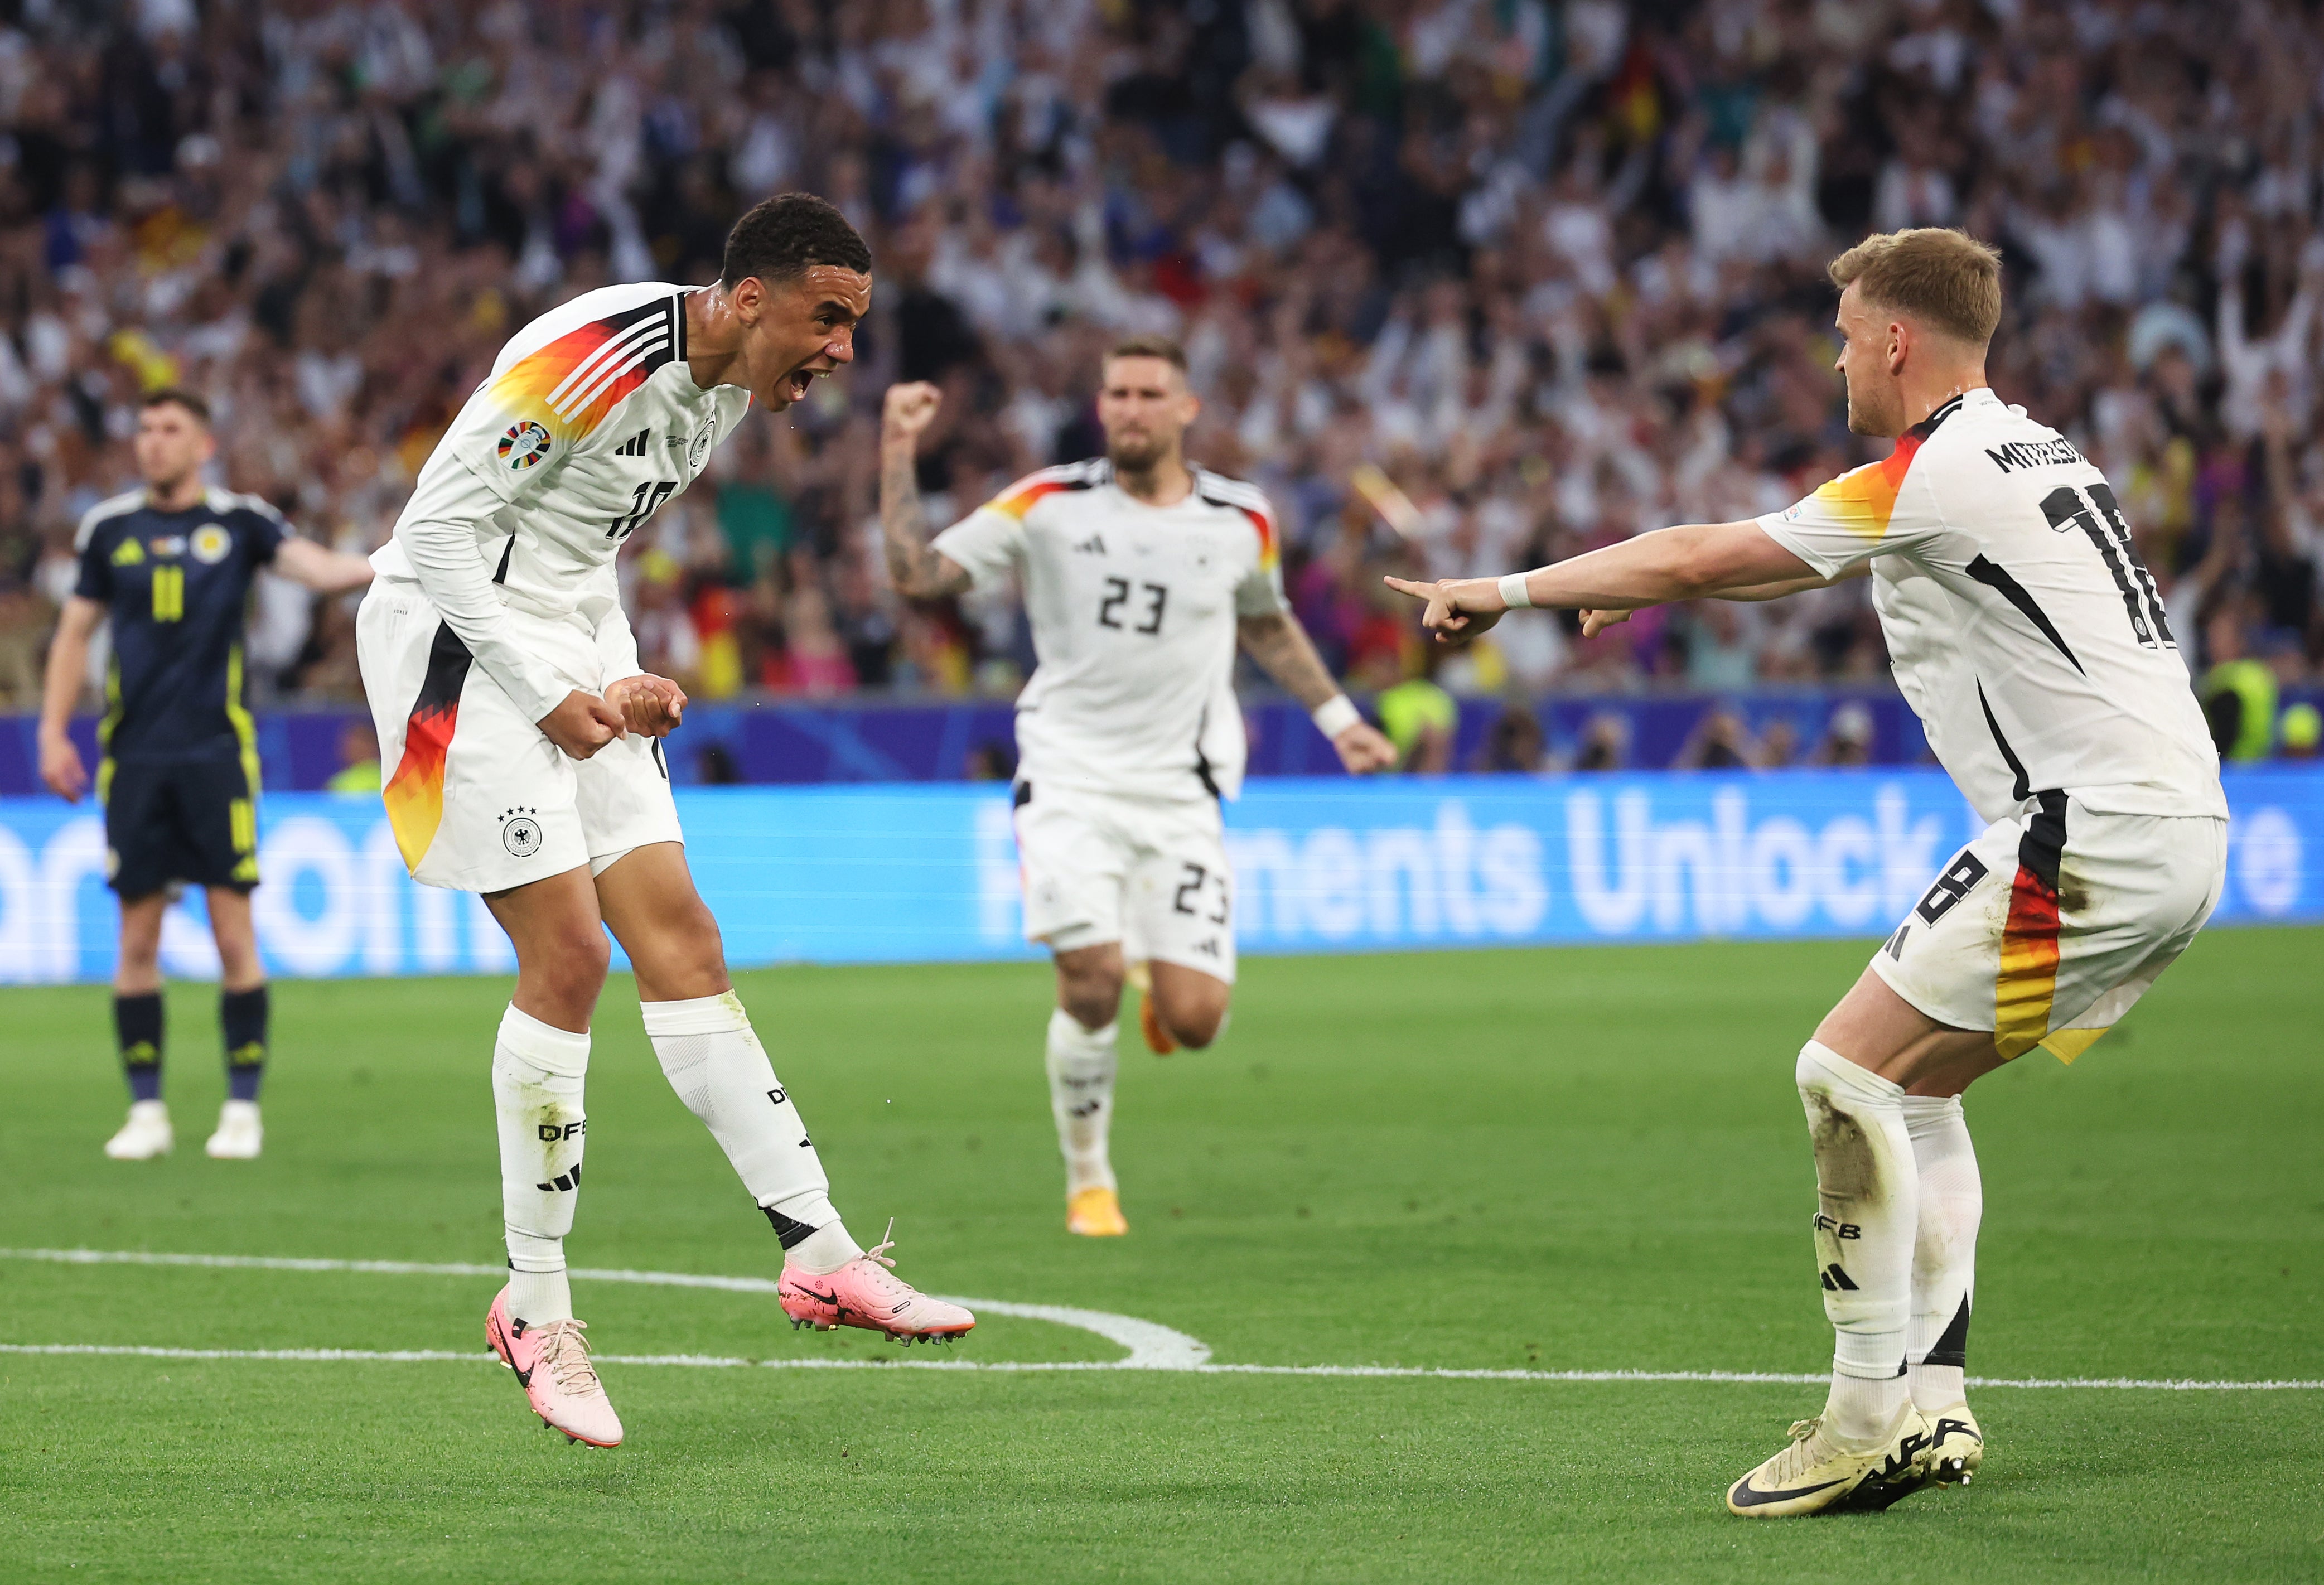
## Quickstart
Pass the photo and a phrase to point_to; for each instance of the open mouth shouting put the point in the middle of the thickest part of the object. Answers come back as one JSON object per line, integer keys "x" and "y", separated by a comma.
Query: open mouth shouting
{"x": 793, "y": 386}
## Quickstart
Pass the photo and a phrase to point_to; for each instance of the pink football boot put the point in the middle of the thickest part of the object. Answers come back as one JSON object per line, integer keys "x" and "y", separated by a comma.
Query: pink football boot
{"x": 865, "y": 1292}
{"x": 551, "y": 1362}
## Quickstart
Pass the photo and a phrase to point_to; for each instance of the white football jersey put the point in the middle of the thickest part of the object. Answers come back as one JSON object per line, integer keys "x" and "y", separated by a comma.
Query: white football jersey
{"x": 588, "y": 423}
{"x": 2056, "y": 638}
{"x": 1934, "y": 674}
{"x": 1133, "y": 610}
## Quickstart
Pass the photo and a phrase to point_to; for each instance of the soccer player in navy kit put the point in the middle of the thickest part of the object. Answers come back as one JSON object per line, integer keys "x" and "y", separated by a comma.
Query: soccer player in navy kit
{"x": 170, "y": 566}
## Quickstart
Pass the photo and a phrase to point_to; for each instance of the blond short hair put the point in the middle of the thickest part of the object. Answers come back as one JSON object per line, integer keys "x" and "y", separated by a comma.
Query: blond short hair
{"x": 1948, "y": 279}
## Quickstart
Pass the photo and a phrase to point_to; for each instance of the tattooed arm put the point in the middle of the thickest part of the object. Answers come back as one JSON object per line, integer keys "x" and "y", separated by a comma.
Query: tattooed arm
{"x": 919, "y": 573}
{"x": 1283, "y": 650}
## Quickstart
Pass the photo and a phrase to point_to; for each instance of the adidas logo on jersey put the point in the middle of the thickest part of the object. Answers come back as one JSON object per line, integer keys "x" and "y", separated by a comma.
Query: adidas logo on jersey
{"x": 1093, "y": 546}
{"x": 635, "y": 446}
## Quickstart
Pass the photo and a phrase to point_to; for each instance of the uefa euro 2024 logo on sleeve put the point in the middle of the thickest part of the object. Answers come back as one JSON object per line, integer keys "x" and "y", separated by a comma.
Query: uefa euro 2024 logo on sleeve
{"x": 524, "y": 445}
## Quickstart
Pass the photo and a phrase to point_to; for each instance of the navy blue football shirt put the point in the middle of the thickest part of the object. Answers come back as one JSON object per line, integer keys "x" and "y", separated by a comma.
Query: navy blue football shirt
{"x": 174, "y": 585}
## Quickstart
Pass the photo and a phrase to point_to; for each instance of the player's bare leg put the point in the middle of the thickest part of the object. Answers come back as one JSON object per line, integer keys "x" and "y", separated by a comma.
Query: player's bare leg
{"x": 1082, "y": 1065}
{"x": 1871, "y": 1445}
{"x": 137, "y": 1028}
{"x": 1189, "y": 1003}
{"x": 243, "y": 1014}
{"x": 713, "y": 1059}
{"x": 1178, "y": 1006}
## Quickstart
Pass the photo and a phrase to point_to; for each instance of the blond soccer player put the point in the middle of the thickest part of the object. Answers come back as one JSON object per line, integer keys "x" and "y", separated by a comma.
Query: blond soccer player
{"x": 2033, "y": 644}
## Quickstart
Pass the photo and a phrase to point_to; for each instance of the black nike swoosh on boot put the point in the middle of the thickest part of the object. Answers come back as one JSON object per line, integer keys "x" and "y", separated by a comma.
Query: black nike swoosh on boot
{"x": 1747, "y": 1496}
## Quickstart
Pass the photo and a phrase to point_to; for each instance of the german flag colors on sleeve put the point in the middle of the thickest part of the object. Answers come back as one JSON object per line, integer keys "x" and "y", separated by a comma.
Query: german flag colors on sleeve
{"x": 550, "y": 396}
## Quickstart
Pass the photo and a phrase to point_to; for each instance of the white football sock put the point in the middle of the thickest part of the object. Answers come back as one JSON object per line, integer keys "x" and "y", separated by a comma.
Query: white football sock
{"x": 1867, "y": 1193}
{"x": 1082, "y": 1066}
{"x": 537, "y": 1073}
{"x": 713, "y": 1059}
{"x": 1945, "y": 1251}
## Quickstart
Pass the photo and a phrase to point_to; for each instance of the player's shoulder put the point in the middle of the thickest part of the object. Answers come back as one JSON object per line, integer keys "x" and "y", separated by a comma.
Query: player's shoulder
{"x": 1067, "y": 479}
{"x": 1244, "y": 498}
{"x": 111, "y": 510}
{"x": 632, "y": 308}
{"x": 1223, "y": 491}
{"x": 1240, "y": 495}
{"x": 234, "y": 504}
{"x": 563, "y": 374}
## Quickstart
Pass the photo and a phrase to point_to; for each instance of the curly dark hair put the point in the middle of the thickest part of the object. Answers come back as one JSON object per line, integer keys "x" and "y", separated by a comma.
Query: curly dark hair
{"x": 785, "y": 236}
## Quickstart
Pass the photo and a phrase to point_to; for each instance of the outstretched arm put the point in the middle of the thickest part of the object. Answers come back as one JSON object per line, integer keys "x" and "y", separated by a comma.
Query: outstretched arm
{"x": 325, "y": 571}
{"x": 1594, "y": 623}
{"x": 919, "y": 573}
{"x": 1283, "y": 650}
{"x": 1688, "y": 563}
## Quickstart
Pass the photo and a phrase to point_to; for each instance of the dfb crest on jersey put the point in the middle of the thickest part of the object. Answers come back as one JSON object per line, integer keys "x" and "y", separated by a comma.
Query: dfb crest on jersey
{"x": 699, "y": 451}
{"x": 210, "y": 544}
{"x": 524, "y": 445}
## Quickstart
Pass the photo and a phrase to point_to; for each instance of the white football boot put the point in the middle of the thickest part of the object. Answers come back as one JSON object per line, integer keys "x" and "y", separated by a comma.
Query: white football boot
{"x": 238, "y": 1135}
{"x": 146, "y": 1134}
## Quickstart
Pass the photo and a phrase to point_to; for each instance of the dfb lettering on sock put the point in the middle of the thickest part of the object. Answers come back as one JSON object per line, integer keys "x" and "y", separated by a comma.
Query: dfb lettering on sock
{"x": 1082, "y": 1065}
{"x": 1867, "y": 1195}
{"x": 538, "y": 1073}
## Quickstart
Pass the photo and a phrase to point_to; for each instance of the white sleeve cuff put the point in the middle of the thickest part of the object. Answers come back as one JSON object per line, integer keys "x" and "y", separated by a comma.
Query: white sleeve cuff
{"x": 1335, "y": 714}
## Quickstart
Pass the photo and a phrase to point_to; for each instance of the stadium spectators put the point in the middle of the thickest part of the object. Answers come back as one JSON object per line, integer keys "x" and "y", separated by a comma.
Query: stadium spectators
{"x": 1553, "y": 269}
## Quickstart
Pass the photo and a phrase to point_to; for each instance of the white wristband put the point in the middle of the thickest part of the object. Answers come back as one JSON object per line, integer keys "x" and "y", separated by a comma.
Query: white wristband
{"x": 1335, "y": 714}
{"x": 1513, "y": 592}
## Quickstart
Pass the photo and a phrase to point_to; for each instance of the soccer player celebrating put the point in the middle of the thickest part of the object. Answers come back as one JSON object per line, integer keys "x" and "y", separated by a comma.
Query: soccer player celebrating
{"x": 527, "y": 763}
{"x": 1141, "y": 573}
{"x": 2027, "y": 634}
{"x": 170, "y": 566}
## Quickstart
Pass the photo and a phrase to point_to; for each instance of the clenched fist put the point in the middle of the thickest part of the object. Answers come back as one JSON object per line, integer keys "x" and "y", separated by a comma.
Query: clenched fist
{"x": 909, "y": 409}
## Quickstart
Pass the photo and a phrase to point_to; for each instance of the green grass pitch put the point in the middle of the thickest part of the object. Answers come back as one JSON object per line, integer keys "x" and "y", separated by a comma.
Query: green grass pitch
{"x": 1557, "y": 1160}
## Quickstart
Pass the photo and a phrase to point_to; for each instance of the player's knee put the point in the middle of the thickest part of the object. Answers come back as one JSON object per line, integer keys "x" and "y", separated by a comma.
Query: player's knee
{"x": 1092, "y": 995}
{"x": 570, "y": 964}
{"x": 684, "y": 959}
{"x": 1195, "y": 1018}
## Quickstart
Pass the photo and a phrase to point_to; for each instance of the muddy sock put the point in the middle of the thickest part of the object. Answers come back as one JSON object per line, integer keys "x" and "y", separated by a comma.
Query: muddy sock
{"x": 538, "y": 1071}
{"x": 1866, "y": 1198}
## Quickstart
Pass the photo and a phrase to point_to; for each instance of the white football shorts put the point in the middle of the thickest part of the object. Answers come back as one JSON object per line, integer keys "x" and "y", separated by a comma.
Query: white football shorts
{"x": 2048, "y": 927}
{"x": 479, "y": 798}
{"x": 1151, "y": 873}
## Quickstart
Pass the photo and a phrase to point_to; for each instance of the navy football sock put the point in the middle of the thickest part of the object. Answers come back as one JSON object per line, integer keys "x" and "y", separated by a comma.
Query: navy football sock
{"x": 137, "y": 1026}
{"x": 243, "y": 1014}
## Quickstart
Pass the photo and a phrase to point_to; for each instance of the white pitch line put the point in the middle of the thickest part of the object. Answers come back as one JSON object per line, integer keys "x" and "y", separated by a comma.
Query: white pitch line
{"x": 1152, "y": 1346}
{"x": 1016, "y": 1367}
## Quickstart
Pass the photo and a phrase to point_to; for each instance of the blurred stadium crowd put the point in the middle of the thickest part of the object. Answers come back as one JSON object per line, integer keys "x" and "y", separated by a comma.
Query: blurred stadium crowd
{"x": 1467, "y": 284}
